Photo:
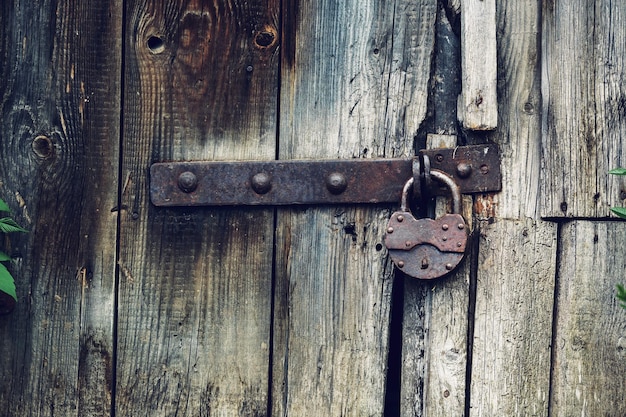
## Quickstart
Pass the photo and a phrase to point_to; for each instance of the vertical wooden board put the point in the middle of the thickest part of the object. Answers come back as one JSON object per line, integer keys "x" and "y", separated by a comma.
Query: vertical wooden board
{"x": 434, "y": 345}
{"x": 59, "y": 139}
{"x": 510, "y": 373}
{"x": 354, "y": 84}
{"x": 434, "y": 335}
{"x": 478, "y": 102}
{"x": 584, "y": 122}
{"x": 590, "y": 340}
{"x": 519, "y": 103}
{"x": 196, "y": 284}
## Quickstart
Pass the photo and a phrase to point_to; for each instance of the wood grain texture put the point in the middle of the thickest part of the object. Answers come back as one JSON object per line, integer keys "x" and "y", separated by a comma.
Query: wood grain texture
{"x": 519, "y": 108}
{"x": 196, "y": 284}
{"x": 584, "y": 117}
{"x": 510, "y": 373}
{"x": 590, "y": 340}
{"x": 478, "y": 102}
{"x": 447, "y": 349}
{"x": 59, "y": 135}
{"x": 354, "y": 84}
{"x": 434, "y": 350}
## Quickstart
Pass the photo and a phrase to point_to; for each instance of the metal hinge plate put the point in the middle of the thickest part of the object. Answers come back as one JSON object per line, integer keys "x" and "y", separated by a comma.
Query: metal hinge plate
{"x": 475, "y": 168}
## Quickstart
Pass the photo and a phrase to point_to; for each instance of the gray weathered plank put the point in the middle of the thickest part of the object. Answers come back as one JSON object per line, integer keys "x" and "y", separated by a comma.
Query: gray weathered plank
{"x": 590, "y": 340}
{"x": 515, "y": 276}
{"x": 354, "y": 83}
{"x": 519, "y": 131}
{"x": 510, "y": 373}
{"x": 478, "y": 105}
{"x": 435, "y": 359}
{"x": 59, "y": 136}
{"x": 195, "y": 286}
{"x": 584, "y": 122}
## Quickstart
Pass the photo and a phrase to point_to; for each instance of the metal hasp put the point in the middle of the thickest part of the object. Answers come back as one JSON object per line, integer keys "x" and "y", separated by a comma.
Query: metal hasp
{"x": 475, "y": 168}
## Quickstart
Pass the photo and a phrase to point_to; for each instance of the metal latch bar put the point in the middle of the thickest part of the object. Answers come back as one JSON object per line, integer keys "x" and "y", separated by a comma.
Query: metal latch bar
{"x": 475, "y": 168}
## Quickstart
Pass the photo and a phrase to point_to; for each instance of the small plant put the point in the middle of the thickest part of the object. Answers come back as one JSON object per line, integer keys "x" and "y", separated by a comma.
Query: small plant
{"x": 621, "y": 295}
{"x": 620, "y": 212}
{"x": 8, "y": 296}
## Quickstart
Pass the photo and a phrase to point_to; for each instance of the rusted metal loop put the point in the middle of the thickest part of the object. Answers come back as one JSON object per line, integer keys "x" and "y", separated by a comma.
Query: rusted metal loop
{"x": 417, "y": 173}
{"x": 405, "y": 194}
{"x": 427, "y": 182}
{"x": 452, "y": 185}
{"x": 441, "y": 177}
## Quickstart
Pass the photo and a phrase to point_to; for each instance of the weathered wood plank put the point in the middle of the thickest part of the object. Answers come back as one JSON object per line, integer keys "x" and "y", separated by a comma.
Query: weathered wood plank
{"x": 519, "y": 131}
{"x": 584, "y": 122}
{"x": 478, "y": 102}
{"x": 354, "y": 83}
{"x": 510, "y": 373}
{"x": 196, "y": 289}
{"x": 59, "y": 137}
{"x": 590, "y": 340}
{"x": 434, "y": 351}
{"x": 515, "y": 277}
{"x": 446, "y": 352}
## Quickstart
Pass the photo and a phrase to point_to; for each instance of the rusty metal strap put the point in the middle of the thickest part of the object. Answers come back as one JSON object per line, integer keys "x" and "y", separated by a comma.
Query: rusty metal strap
{"x": 476, "y": 169}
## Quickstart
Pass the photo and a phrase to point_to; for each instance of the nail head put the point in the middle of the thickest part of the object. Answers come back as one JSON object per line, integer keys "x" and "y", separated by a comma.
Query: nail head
{"x": 261, "y": 183}
{"x": 187, "y": 182}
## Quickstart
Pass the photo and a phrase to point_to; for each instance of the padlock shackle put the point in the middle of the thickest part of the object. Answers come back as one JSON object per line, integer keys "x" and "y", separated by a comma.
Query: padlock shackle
{"x": 442, "y": 177}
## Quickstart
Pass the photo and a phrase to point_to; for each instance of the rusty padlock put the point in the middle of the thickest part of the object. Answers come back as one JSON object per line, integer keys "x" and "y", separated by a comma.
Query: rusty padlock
{"x": 427, "y": 248}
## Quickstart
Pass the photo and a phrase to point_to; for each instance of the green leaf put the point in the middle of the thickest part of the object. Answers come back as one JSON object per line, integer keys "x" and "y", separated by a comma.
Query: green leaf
{"x": 619, "y": 211}
{"x": 4, "y": 206}
{"x": 4, "y": 257}
{"x": 621, "y": 295}
{"x": 7, "y": 283}
{"x": 618, "y": 171}
{"x": 8, "y": 225}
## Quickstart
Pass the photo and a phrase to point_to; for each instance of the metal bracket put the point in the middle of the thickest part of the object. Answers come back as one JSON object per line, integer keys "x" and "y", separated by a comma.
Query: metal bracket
{"x": 475, "y": 168}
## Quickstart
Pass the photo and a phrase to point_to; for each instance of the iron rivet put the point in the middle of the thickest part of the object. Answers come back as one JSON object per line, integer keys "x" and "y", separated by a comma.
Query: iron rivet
{"x": 449, "y": 267}
{"x": 336, "y": 183}
{"x": 425, "y": 263}
{"x": 459, "y": 244}
{"x": 400, "y": 218}
{"x": 439, "y": 157}
{"x": 461, "y": 226}
{"x": 444, "y": 238}
{"x": 464, "y": 170}
{"x": 187, "y": 182}
{"x": 400, "y": 264}
{"x": 484, "y": 169}
{"x": 408, "y": 243}
{"x": 446, "y": 393}
{"x": 390, "y": 230}
{"x": 261, "y": 183}
{"x": 445, "y": 227}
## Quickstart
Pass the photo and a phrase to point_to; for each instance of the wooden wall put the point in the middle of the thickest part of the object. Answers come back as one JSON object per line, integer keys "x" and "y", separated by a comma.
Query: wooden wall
{"x": 129, "y": 309}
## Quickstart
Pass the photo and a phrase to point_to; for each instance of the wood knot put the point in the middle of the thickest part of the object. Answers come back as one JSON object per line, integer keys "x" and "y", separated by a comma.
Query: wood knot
{"x": 266, "y": 38}
{"x": 43, "y": 147}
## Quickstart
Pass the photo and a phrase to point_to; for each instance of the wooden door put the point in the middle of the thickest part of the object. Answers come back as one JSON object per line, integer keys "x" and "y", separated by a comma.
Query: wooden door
{"x": 129, "y": 309}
